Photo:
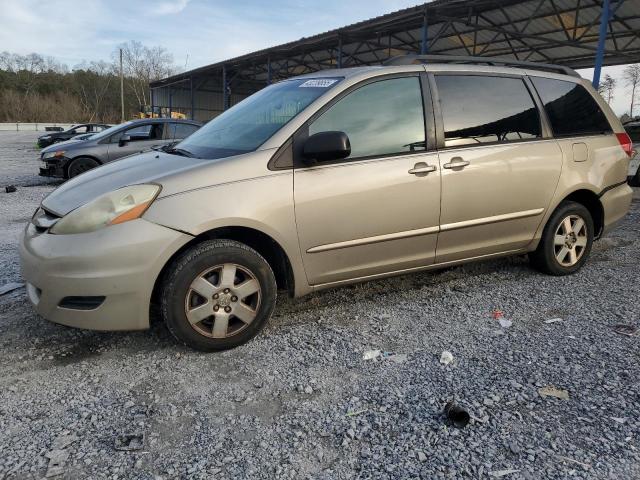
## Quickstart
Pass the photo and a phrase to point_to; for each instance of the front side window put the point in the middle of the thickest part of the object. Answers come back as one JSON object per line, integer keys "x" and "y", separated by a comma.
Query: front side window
{"x": 572, "y": 111}
{"x": 178, "y": 131}
{"x": 478, "y": 109}
{"x": 250, "y": 123}
{"x": 80, "y": 129}
{"x": 381, "y": 118}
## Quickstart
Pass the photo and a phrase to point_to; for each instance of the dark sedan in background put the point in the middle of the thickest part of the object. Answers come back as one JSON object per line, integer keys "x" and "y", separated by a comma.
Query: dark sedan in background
{"x": 54, "y": 137}
{"x": 72, "y": 158}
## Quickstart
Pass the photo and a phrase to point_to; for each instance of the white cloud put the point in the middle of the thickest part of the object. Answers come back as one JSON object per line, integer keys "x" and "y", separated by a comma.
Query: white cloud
{"x": 169, "y": 7}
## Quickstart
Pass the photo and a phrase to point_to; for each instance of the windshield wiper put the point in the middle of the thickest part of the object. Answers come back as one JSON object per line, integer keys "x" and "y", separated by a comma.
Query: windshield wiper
{"x": 180, "y": 151}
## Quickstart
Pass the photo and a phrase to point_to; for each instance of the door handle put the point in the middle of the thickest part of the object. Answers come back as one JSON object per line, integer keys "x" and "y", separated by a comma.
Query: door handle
{"x": 456, "y": 162}
{"x": 422, "y": 168}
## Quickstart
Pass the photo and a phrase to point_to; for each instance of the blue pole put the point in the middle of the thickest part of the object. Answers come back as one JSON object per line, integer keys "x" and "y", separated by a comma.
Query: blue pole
{"x": 423, "y": 45}
{"x": 604, "y": 21}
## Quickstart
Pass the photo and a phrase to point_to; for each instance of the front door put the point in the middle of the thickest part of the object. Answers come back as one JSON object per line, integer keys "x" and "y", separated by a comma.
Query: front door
{"x": 143, "y": 137}
{"x": 499, "y": 173}
{"x": 377, "y": 211}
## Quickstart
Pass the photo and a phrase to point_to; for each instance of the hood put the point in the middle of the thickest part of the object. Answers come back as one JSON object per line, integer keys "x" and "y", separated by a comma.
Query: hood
{"x": 148, "y": 167}
{"x": 62, "y": 145}
{"x": 176, "y": 174}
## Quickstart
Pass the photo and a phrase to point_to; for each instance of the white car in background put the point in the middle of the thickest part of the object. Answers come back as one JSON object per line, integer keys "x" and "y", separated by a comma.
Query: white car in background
{"x": 633, "y": 129}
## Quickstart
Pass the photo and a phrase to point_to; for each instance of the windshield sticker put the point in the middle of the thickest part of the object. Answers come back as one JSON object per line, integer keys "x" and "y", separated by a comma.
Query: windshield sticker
{"x": 318, "y": 83}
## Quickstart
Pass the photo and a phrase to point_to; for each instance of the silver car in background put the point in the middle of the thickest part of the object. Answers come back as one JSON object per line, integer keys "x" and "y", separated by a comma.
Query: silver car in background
{"x": 69, "y": 159}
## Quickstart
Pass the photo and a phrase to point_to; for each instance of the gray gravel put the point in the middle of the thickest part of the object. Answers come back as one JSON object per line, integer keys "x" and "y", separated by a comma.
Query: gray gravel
{"x": 300, "y": 402}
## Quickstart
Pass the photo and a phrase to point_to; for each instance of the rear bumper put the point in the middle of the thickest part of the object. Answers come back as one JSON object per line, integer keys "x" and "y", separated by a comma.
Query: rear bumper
{"x": 117, "y": 265}
{"x": 616, "y": 203}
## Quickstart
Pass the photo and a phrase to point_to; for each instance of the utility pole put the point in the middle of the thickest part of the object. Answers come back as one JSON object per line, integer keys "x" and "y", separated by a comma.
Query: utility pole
{"x": 121, "y": 89}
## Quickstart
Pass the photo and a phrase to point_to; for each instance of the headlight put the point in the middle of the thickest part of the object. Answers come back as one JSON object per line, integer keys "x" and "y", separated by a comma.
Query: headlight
{"x": 115, "y": 207}
{"x": 56, "y": 154}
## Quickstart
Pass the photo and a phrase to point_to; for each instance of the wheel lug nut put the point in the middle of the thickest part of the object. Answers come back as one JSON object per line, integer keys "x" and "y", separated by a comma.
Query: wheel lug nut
{"x": 226, "y": 290}
{"x": 234, "y": 299}
{"x": 216, "y": 296}
{"x": 216, "y": 308}
{"x": 227, "y": 309}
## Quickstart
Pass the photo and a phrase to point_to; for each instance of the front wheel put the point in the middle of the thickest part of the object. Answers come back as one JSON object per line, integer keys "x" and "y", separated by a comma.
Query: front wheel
{"x": 566, "y": 240}
{"x": 80, "y": 165}
{"x": 218, "y": 295}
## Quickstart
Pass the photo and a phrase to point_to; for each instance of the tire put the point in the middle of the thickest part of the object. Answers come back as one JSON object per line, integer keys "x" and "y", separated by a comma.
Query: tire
{"x": 217, "y": 274}
{"x": 80, "y": 165}
{"x": 547, "y": 257}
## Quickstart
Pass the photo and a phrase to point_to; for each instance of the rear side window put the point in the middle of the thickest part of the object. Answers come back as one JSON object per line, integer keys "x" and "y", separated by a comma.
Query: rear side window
{"x": 478, "y": 109}
{"x": 380, "y": 118}
{"x": 572, "y": 111}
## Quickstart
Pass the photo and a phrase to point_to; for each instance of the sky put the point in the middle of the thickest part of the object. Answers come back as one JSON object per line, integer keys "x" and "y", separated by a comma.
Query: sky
{"x": 196, "y": 32}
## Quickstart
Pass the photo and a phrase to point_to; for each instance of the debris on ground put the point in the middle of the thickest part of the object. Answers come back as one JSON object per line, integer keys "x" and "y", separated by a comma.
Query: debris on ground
{"x": 554, "y": 320}
{"x": 422, "y": 457}
{"x": 10, "y": 188}
{"x": 502, "y": 473}
{"x": 392, "y": 357}
{"x": 57, "y": 460}
{"x": 63, "y": 441}
{"x": 586, "y": 466}
{"x": 446, "y": 358}
{"x": 504, "y": 323}
{"x": 129, "y": 442}
{"x": 357, "y": 412}
{"x": 551, "y": 391}
{"x": 628, "y": 330}
{"x": 10, "y": 287}
{"x": 457, "y": 415}
{"x": 497, "y": 314}
{"x": 371, "y": 354}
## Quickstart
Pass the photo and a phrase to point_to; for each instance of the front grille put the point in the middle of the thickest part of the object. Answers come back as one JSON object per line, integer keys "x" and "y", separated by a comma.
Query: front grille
{"x": 81, "y": 303}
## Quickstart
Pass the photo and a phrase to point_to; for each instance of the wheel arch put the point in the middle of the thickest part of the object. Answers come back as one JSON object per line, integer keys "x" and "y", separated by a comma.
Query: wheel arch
{"x": 592, "y": 202}
{"x": 261, "y": 242}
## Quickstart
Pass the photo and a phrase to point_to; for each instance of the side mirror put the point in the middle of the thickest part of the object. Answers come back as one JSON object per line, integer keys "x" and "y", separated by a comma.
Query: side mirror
{"x": 326, "y": 146}
{"x": 124, "y": 139}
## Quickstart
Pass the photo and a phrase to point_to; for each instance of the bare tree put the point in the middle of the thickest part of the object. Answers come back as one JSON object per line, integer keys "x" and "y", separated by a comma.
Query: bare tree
{"x": 631, "y": 75}
{"x": 607, "y": 88}
{"x": 143, "y": 65}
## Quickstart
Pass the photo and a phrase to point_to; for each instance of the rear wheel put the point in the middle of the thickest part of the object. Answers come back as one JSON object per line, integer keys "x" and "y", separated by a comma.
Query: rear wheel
{"x": 566, "y": 240}
{"x": 218, "y": 295}
{"x": 80, "y": 165}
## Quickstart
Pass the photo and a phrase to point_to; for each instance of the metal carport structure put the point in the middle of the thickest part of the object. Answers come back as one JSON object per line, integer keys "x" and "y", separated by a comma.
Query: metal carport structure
{"x": 574, "y": 33}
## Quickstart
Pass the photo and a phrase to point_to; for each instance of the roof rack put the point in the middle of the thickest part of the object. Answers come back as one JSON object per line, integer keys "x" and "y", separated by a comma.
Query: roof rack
{"x": 413, "y": 59}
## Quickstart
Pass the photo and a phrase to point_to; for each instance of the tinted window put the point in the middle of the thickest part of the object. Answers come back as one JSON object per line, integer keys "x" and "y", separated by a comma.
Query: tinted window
{"x": 478, "y": 109}
{"x": 141, "y": 133}
{"x": 80, "y": 129}
{"x": 380, "y": 118}
{"x": 180, "y": 130}
{"x": 634, "y": 132}
{"x": 570, "y": 108}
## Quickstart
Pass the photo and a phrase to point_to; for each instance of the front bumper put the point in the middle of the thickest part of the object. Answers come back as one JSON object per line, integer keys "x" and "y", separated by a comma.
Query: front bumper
{"x": 119, "y": 263}
{"x": 54, "y": 167}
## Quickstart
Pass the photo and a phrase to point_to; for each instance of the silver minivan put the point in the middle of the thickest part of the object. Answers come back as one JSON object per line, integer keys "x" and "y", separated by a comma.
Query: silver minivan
{"x": 71, "y": 158}
{"x": 332, "y": 178}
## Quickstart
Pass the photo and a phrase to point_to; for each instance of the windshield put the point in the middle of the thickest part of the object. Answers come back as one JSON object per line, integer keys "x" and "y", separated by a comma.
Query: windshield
{"x": 253, "y": 121}
{"x": 109, "y": 131}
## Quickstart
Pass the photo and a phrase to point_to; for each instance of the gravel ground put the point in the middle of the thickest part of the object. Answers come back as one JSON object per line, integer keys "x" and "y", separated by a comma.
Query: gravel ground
{"x": 299, "y": 401}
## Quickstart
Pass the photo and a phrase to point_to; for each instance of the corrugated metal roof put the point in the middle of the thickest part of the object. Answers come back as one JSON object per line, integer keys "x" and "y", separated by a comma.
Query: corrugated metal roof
{"x": 552, "y": 31}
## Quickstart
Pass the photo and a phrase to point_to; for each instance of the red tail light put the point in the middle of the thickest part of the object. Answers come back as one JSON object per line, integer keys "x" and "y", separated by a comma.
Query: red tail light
{"x": 625, "y": 143}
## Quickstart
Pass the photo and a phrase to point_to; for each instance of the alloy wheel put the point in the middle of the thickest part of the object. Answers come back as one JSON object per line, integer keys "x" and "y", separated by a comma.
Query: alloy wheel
{"x": 223, "y": 300}
{"x": 570, "y": 240}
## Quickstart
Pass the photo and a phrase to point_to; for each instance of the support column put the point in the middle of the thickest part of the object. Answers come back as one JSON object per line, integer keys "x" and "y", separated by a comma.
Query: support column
{"x": 170, "y": 101}
{"x": 153, "y": 101}
{"x": 339, "y": 52}
{"x": 269, "y": 73}
{"x": 193, "y": 112}
{"x": 425, "y": 34}
{"x": 225, "y": 90}
{"x": 604, "y": 22}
